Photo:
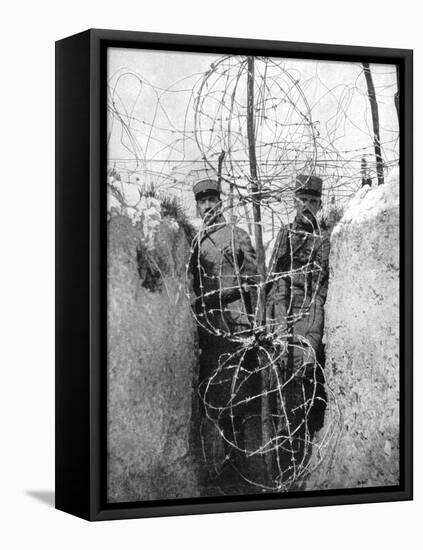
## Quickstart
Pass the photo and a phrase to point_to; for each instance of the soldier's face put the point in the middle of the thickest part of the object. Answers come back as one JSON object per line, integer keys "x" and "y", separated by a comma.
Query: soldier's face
{"x": 307, "y": 206}
{"x": 208, "y": 206}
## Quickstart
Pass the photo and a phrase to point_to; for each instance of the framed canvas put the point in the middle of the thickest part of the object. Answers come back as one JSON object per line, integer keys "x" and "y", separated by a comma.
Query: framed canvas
{"x": 234, "y": 274}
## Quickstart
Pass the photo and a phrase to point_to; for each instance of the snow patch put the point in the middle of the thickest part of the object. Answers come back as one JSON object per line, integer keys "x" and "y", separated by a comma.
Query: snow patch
{"x": 368, "y": 202}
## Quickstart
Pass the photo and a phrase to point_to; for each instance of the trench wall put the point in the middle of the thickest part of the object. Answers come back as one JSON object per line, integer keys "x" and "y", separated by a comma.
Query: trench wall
{"x": 358, "y": 446}
{"x": 152, "y": 357}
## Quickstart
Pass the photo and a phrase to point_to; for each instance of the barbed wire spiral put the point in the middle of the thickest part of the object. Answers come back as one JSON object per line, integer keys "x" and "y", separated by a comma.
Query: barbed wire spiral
{"x": 270, "y": 375}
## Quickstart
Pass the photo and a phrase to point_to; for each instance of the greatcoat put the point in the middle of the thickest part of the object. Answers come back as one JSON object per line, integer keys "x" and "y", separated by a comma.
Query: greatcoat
{"x": 223, "y": 265}
{"x": 295, "y": 301}
{"x": 299, "y": 282}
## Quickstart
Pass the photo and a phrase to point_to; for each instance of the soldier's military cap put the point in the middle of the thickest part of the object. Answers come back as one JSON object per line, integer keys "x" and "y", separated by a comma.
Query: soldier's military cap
{"x": 312, "y": 185}
{"x": 205, "y": 187}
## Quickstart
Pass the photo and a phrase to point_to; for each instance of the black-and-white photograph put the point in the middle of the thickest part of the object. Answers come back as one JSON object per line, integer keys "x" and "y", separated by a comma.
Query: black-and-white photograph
{"x": 252, "y": 275}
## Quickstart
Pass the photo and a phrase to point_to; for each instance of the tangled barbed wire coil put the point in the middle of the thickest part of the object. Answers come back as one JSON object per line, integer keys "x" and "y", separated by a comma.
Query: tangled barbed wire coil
{"x": 265, "y": 377}
{"x": 263, "y": 381}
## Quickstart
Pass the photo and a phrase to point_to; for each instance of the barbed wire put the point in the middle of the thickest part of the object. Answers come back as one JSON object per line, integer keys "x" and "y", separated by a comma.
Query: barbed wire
{"x": 340, "y": 167}
{"x": 269, "y": 371}
{"x": 290, "y": 444}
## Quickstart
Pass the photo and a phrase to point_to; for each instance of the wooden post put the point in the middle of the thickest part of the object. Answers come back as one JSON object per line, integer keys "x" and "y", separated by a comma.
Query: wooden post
{"x": 261, "y": 257}
{"x": 255, "y": 187}
{"x": 375, "y": 119}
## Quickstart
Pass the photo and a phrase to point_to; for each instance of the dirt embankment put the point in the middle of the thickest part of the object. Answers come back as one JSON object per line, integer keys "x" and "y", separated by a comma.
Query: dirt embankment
{"x": 152, "y": 357}
{"x": 362, "y": 345}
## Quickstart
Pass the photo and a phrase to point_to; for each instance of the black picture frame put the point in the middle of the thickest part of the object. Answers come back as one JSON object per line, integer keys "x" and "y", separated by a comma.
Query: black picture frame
{"x": 81, "y": 268}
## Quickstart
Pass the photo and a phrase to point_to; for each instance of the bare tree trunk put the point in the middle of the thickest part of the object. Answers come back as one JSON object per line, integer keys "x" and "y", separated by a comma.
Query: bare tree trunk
{"x": 375, "y": 119}
{"x": 397, "y": 95}
{"x": 261, "y": 257}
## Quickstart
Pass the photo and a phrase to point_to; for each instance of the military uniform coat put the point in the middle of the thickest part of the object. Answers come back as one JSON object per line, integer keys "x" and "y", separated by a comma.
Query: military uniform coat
{"x": 295, "y": 310}
{"x": 299, "y": 282}
{"x": 223, "y": 264}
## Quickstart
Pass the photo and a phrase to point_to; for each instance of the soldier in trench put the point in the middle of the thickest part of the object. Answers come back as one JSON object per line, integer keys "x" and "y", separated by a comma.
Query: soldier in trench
{"x": 223, "y": 265}
{"x": 295, "y": 312}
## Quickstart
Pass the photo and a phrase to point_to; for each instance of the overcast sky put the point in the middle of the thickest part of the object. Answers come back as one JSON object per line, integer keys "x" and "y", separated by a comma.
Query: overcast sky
{"x": 152, "y": 93}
